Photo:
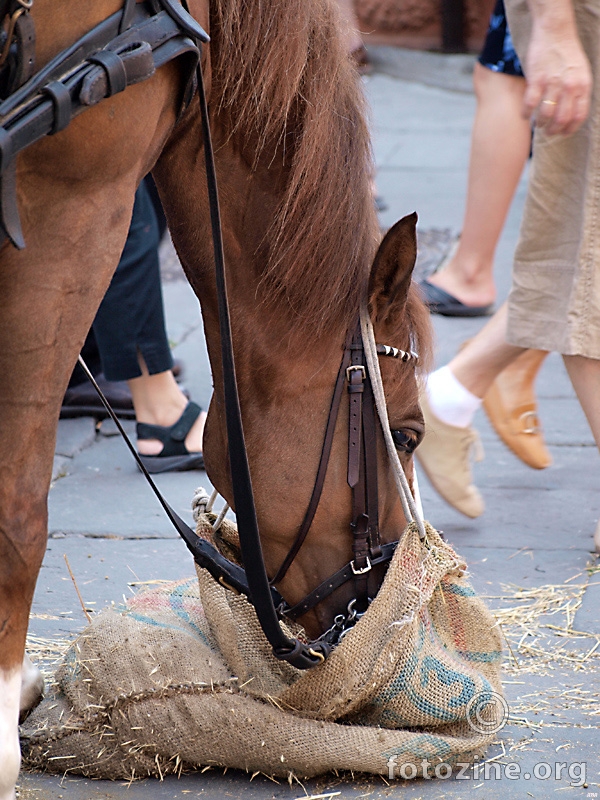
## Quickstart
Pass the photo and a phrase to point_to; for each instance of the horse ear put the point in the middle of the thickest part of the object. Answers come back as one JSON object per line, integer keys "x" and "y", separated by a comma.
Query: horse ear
{"x": 392, "y": 269}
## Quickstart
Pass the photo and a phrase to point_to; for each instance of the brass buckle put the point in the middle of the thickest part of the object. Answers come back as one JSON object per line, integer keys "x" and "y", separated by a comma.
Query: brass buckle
{"x": 363, "y": 570}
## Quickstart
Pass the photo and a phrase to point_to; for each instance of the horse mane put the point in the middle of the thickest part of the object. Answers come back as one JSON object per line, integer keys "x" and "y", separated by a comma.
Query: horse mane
{"x": 281, "y": 75}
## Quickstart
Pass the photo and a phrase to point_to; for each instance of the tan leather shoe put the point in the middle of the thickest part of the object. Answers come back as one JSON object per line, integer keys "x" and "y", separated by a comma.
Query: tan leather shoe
{"x": 511, "y": 407}
{"x": 444, "y": 454}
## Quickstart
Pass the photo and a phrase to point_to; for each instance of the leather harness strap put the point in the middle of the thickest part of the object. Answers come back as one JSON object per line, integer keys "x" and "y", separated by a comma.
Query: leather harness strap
{"x": 100, "y": 64}
{"x": 301, "y": 655}
{"x": 362, "y": 479}
{"x": 328, "y": 587}
{"x": 61, "y": 101}
{"x": 129, "y": 64}
{"x": 205, "y": 554}
{"x": 114, "y": 68}
{"x": 357, "y": 378}
{"x": 127, "y": 15}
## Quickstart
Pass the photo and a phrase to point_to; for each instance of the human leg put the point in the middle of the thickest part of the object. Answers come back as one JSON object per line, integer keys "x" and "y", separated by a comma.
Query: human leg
{"x": 486, "y": 355}
{"x": 499, "y": 149}
{"x": 130, "y": 321}
{"x": 585, "y": 377}
{"x": 131, "y": 335}
{"x": 158, "y": 400}
{"x": 503, "y": 376}
{"x": 447, "y": 447}
{"x": 500, "y": 375}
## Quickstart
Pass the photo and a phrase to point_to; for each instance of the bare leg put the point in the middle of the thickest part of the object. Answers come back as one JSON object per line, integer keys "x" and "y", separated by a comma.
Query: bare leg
{"x": 487, "y": 367}
{"x": 158, "y": 400}
{"x": 500, "y": 146}
{"x": 585, "y": 377}
{"x": 504, "y": 376}
{"x": 477, "y": 365}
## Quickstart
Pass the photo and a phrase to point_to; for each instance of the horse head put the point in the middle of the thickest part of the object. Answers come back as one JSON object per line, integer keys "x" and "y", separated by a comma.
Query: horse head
{"x": 302, "y": 251}
{"x": 303, "y": 445}
{"x": 400, "y": 325}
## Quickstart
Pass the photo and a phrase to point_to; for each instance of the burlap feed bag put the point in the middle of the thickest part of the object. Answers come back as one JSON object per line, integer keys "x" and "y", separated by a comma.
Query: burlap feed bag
{"x": 182, "y": 677}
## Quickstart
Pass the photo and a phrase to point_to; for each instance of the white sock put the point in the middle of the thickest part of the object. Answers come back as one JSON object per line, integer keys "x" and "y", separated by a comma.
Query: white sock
{"x": 449, "y": 400}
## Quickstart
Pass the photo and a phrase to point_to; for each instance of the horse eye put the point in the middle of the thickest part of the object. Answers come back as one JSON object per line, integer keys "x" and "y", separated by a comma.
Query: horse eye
{"x": 407, "y": 439}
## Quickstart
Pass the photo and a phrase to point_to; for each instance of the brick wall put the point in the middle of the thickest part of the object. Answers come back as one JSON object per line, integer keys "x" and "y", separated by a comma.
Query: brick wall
{"x": 417, "y": 23}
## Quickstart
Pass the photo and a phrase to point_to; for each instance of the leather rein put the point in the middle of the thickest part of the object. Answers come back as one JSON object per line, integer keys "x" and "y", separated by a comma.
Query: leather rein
{"x": 127, "y": 48}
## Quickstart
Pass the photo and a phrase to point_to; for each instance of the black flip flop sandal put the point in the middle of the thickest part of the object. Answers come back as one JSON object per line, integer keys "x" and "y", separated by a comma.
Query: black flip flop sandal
{"x": 441, "y": 302}
{"x": 174, "y": 457}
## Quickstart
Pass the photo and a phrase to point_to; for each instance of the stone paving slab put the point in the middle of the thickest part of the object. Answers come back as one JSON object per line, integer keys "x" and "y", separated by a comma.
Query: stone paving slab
{"x": 106, "y": 570}
{"x": 105, "y": 493}
{"x": 587, "y": 617}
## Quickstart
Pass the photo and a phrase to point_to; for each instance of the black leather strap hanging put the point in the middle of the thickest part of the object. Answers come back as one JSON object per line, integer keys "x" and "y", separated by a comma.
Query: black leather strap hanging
{"x": 127, "y": 15}
{"x": 357, "y": 381}
{"x": 328, "y": 586}
{"x": 297, "y": 653}
{"x": 371, "y": 483}
{"x": 110, "y": 61}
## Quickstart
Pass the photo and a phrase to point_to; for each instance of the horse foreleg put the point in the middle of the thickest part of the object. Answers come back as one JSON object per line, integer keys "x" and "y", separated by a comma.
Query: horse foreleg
{"x": 76, "y": 192}
{"x": 10, "y": 685}
{"x": 47, "y": 305}
{"x": 26, "y": 683}
{"x": 20, "y": 559}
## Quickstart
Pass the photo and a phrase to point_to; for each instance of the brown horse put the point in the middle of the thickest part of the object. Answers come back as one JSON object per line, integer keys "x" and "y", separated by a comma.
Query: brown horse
{"x": 301, "y": 237}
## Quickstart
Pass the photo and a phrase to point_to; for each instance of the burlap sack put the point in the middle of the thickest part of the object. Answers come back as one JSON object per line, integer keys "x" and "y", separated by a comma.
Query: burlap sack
{"x": 182, "y": 678}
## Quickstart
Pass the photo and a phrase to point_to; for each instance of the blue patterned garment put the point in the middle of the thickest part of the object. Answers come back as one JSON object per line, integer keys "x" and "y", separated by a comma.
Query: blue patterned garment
{"x": 498, "y": 52}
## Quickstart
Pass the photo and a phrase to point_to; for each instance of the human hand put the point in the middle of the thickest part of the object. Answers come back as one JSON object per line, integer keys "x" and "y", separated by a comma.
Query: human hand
{"x": 559, "y": 79}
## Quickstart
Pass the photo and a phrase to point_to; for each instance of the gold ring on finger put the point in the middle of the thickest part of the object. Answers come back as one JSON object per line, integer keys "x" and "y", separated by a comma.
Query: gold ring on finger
{"x": 549, "y": 102}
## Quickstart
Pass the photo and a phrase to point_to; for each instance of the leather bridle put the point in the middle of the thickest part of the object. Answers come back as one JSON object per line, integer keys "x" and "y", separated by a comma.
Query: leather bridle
{"x": 367, "y": 549}
{"x": 127, "y": 48}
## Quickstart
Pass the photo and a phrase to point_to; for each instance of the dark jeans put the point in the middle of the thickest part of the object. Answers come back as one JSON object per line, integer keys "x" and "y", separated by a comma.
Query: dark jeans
{"x": 131, "y": 318}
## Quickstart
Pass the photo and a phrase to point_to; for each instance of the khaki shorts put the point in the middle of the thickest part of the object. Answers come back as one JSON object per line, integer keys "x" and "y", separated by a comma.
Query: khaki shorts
{"x": 554, "y": 303}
